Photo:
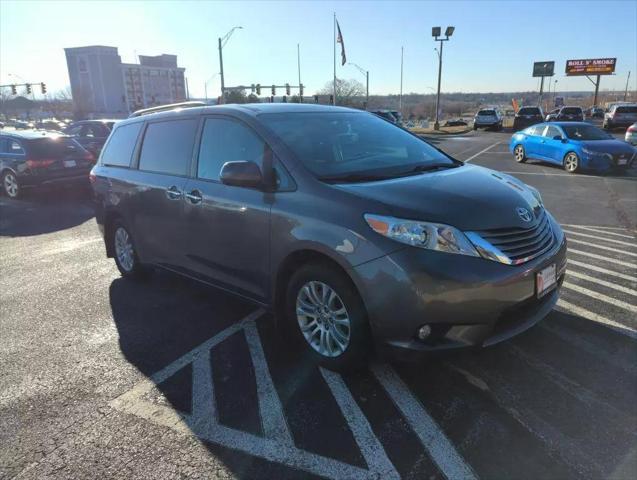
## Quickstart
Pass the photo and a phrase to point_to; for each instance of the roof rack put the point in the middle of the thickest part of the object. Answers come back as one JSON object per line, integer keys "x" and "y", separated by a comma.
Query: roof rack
{"x": 162, "y": 108}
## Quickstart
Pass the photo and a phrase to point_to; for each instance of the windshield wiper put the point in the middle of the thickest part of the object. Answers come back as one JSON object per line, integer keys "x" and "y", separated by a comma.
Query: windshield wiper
{"x": 429, "y": 167}
{"x": 354, "y": 177}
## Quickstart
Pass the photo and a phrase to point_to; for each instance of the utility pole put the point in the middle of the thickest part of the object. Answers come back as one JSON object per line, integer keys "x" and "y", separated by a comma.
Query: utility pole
{"x": 626, "y": 89}
{"x": 400, "y": 101}
{"x": 435, "y": 32}
{"x": 221, "y": 70}
{"x": 222, "y": 43}
{"x": 298, "y": 63}
{"x": 539, "y": 100}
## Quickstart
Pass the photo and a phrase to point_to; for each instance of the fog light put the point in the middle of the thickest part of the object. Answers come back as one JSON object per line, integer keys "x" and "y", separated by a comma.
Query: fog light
{"x": 424, "y": 332}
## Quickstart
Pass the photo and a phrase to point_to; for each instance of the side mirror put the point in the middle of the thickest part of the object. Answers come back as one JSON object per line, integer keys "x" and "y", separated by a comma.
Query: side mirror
{"x": 241, "y": 174}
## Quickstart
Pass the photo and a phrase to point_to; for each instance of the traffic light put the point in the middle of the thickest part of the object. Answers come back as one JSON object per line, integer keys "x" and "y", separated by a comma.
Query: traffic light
{"x": 43, "y": 87}
{"x": 28, "y": 87}
{"x": 287, "y": 88}
{"x": 258, "y": 89}
{"x": 272, "y": 97}
{"x": 315, "y": 98}
{"x": 273, "y": 90}
{"x": 252, "y": 88}
{"x": 301, "y": 90}
{"x": 331, "y": 99}
{"x": 14, "y": 90}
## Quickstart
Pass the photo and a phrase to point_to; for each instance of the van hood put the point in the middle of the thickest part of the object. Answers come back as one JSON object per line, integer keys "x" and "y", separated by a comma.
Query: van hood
{"x": 468, "y": 197}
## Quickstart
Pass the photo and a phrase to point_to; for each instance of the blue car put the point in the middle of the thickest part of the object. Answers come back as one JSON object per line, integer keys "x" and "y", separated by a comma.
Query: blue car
{"x": 574, "y": 145}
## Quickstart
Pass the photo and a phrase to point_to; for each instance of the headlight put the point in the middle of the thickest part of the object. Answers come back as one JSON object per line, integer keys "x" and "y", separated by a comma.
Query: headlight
{"x": 535, "y": 193}
{"x": 432, "y": 236}
{"x": 586, "y": 151}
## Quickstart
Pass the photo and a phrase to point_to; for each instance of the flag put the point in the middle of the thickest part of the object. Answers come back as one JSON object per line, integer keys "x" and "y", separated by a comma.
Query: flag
{"x": 339, "y": 39}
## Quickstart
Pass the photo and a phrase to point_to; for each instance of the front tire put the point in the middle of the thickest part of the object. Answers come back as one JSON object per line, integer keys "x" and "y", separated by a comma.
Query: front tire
{"x": 123, "y": 248}
{"x": 10, "y": 185}
{"x": 571, "y": 162}
{"x": 325, "y": 315}
{"x": 519, "y": 154}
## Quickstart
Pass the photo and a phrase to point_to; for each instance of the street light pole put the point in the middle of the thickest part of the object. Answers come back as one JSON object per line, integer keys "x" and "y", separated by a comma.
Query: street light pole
{"x": 222, "y": 43}
{"x": 400, "y": 101}
{"x": 435, "y": 32}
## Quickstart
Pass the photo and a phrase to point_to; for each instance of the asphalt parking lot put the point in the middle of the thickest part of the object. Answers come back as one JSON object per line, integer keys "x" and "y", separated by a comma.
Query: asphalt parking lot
{"x": 103, "y": 377}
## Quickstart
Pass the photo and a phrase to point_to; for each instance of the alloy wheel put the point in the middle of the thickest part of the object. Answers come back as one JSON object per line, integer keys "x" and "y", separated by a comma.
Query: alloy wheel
{"x": 519, "y": 153}
{"x": 323, "y": 319}
{"x": 571, "y": 162}
{"x": 124, "y": 249}
{"x": 10, "y": 184}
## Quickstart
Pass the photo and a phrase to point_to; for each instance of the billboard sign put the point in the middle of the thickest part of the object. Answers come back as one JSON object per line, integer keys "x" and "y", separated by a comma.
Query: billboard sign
{"x": 591, "y": 66}
{"x": 543, "y": 69}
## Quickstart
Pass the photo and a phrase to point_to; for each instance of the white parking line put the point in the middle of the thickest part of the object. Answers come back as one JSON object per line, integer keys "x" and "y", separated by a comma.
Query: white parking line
{"x": 600, "y": 296}
{"x": 595, "y": 268}
{"x": 603, "y": 230}
{"x": 270, "y": 408}
{"x": 371, "y": 449}
{"x": 602, "y": 257}
{"x": 481, "y": 152}
{"x": 431, "y": 436}
{"x": 603, "y": 247}
{"x": 597, "y": 237}
{"x": 594, "y": 317}
{"x": 204, "y": 405}
{"x": 614, "y": 286}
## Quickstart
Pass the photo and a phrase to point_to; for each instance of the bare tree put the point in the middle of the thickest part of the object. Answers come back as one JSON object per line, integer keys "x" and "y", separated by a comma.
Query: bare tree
{"x": 348, "y": 92}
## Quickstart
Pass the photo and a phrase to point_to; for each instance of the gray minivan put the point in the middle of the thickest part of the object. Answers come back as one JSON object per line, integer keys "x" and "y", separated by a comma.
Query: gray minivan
{"x": 358, "y": 235}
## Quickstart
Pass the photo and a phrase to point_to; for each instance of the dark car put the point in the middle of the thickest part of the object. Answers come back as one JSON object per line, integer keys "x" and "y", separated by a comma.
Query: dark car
{"x": 566, "y": 114}
{"x": 594, "y": 112}
{"x": 33, "y": 158}
{"x": 91, "y": 134}
{"x": 354, "y": 232}
{"x": 53, "y": 125}
{"x": 526, "y": 116}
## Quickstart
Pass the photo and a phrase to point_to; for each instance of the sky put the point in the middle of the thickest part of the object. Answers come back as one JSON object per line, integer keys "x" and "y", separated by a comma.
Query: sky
{"x": 492, "y": 49}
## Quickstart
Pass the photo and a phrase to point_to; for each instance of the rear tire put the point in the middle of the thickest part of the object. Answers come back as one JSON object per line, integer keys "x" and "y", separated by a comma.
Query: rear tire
{"x": 571, "y": 162}
{"x": 10, "y": 185}
{"x": 123, "y": 248}
{"x": 326, "y": 318}
{"x": 519, "y": 154}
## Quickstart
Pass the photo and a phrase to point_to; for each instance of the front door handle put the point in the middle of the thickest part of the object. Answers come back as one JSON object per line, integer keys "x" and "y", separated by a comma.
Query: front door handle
{"x": 173, "y": 193}
{"x": 194, "y": 197}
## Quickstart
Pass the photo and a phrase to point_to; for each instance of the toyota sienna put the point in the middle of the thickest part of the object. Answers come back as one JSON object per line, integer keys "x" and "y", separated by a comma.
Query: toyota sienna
{"x": 357, "y": 234}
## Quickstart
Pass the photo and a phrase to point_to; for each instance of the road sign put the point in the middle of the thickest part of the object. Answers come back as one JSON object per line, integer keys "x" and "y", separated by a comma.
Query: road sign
{"x": 591, "y": 66}
{"x": 543, "y": 69}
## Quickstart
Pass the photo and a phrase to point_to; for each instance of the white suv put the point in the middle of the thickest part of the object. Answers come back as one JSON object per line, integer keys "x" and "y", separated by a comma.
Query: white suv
{"x": 487, "y": 117}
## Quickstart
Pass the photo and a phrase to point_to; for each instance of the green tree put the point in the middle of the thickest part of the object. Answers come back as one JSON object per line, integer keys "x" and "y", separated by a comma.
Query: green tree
{"x": 236, "y": 96}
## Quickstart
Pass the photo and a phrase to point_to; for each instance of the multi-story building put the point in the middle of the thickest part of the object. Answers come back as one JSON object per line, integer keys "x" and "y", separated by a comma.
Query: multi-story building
{"x": 102, "y": 85}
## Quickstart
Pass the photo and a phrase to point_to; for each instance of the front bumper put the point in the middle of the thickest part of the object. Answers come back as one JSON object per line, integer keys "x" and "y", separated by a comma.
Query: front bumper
{"x": 467, "y": 301}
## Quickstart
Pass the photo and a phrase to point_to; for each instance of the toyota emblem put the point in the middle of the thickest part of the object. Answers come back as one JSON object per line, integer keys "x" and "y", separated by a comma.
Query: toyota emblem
{"x": 524, "y": 214}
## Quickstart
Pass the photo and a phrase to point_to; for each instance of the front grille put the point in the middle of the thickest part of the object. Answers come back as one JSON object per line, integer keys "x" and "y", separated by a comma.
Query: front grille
{"x": 517, "y": 245}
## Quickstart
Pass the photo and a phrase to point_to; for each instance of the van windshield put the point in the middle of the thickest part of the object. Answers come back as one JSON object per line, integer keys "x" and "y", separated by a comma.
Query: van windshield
{"x": 350, "y": 147}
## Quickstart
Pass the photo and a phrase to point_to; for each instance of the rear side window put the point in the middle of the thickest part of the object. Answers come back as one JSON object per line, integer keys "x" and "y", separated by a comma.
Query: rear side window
{"x": 167, "y": 146}
{"x": 535, "y": 130}
{"x": 54, "y": 147}
{"x": 8, "y": 145}
{"x": 626, "y": 110}
{"x": 552, "y": 132}
{"x": 120, "y": 146}
{"x": 529, "y": 111}
{"x": 226, "y": 141}
{"x": 572, "y": 110}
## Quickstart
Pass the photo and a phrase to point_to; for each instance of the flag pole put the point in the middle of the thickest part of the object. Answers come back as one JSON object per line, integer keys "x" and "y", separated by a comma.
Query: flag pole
{"x": 334, "y": 42}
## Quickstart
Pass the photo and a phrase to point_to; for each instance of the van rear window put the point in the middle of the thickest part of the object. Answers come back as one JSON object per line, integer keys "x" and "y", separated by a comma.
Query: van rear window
{"x": 626, "y": 110}
{"x": 119, "y": 148}
{"x": 529, "y": 111}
